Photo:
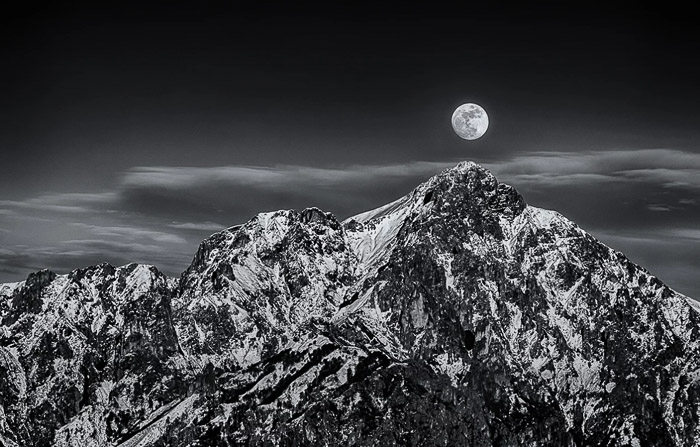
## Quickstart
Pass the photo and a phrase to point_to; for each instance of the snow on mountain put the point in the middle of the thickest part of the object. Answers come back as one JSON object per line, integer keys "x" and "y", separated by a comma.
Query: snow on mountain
{"x": 252, "y": 287}
{"x": 455, "y": 315}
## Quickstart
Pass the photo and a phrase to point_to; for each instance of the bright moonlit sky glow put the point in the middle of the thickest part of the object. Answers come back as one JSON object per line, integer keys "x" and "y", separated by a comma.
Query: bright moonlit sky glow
{"x": 131, "y": 132}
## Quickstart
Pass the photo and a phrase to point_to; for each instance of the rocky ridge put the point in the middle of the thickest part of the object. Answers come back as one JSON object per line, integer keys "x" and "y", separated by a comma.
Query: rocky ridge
{"x": 456, "y": 315}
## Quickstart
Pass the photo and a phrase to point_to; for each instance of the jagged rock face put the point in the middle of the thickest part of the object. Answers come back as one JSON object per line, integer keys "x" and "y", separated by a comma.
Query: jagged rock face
{"x": 457, "y": 315}
{"x": 94, "y": 335}
{"x": 251, "y": 288}
{"x": 540, "y": 320}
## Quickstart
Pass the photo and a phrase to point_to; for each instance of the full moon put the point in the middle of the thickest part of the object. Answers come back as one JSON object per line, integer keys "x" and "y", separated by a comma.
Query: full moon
{"x": 470, "y": 121}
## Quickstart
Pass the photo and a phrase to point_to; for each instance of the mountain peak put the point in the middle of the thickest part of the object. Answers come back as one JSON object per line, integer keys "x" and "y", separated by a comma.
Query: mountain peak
{"x": 470, "y": 183}
{"x": 457, "y": 311}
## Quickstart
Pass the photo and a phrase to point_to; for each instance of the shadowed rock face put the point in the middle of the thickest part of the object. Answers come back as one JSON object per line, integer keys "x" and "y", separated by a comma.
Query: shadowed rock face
{"x": 456, "y": 315}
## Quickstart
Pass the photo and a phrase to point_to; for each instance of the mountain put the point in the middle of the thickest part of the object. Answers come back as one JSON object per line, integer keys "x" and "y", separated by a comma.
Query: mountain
{"x": 456, "y": 315}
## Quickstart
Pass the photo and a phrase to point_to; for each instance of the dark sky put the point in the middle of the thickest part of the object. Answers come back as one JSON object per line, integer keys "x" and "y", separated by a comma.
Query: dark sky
{"x": 131, "y": 132}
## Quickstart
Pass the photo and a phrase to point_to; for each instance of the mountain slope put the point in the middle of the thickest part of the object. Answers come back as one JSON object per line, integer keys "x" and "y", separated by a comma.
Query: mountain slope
{"x": 456, "y": 315}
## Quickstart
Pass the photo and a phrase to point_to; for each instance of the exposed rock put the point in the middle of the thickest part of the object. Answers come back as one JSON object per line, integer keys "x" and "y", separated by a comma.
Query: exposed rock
{"x": 456, "y": 315}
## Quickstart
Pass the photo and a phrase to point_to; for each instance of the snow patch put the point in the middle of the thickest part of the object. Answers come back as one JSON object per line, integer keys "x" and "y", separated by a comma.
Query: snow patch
{"x": 151, "y": 434}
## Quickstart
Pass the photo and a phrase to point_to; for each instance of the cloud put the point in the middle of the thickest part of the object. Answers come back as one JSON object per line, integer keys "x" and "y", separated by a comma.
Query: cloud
{"x": 62, "y": 202}
{"x": 669, "y": 178}
{"x": 692, "y": 234}
{"x": 668, "y": 167}
{"x": 36, "y": 237}
{"x": 131, "y": 233}
{"x": 43, "y": 207}
{"x": 277, "y": 178}
{"x": 658, "y": 208}
{"x": 198, "y": 226}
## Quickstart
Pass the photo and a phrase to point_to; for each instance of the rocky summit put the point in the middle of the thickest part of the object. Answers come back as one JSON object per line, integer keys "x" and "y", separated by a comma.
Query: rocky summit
{"x": 456, "y": 315}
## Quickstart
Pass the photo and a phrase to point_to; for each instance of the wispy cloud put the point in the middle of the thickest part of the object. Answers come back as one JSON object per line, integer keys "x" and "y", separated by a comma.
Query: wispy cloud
{"x": 131, "y": 233}
{"x": 198, "y": 226}
{"x": 62, "y": 202}
{"x": 658, "y": 208}
{"x": 277, "y": 178}
{"x": 668, "y": 167}
{"x": 669, "y": 178}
